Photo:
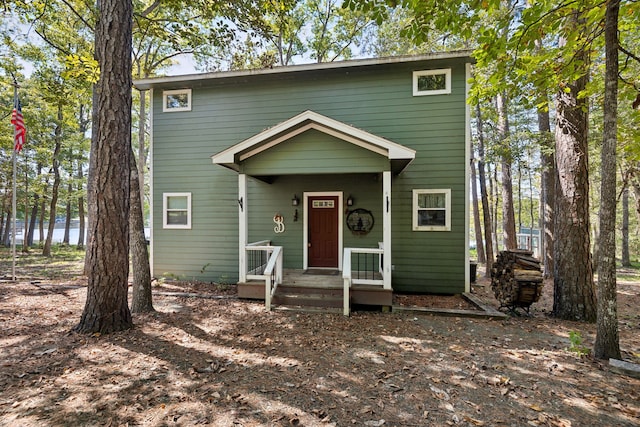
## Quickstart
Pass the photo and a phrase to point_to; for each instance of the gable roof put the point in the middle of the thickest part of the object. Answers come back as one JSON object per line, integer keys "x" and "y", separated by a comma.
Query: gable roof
{"x": 398, "y": 155}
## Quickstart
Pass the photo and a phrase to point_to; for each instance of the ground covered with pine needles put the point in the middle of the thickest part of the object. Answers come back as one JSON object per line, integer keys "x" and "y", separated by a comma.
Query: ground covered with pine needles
{"x": 226, "y": 362}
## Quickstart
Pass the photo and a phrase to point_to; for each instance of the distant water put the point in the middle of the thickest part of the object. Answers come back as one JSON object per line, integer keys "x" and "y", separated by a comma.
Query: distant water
{"x": 58, "y": 235}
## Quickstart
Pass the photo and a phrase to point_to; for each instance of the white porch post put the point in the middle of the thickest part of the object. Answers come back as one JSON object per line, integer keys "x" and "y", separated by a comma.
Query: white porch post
{"x": 242, "y": 227}
{"x": 386, "y": 229}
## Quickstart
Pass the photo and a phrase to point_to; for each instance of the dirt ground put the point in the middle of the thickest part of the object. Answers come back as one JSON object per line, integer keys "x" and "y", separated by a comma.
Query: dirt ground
{"x": 226, "y": 362}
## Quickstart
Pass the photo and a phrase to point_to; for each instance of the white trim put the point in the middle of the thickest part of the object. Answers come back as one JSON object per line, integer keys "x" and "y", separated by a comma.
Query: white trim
{"x": 305, "y": 227}
{"x": 467, "y": 178}
{"x": 289, "y": 128}
{"x": 151, "y": 193}
{"x": 386, "y": 229}
{"x": 414, "y": 213}
{"x": 243, "y": 227}
{"x": 445, "y": 91}
{"x": 191, "y": 79}
{"x": 167, "y": 93}
{"x": 318, "y": 127}
{"x": 165, "y": 223}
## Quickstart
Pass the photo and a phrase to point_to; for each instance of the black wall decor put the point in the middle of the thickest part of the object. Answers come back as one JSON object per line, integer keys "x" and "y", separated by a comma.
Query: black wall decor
{"x": 360, "y": 221}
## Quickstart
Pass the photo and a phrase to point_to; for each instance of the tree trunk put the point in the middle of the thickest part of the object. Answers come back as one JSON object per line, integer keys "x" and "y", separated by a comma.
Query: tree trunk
{"x": 142, "y": 153}
{"x": 106, "y": 308}
{"x": 634, "y": 182}
{"x": 495, "y": 208}
{"x": 508, "y": 214}
{"x": 518, "y": 222}
{"x": 91, "y": 204}
{"x": 6, "y": 241}
{"x": 46, "y": 250}
{"x": 626, "y": 258}
{"x": 43, "y": 206}
{"x": 83, "y": 125}
{"x": 67, "y": 219}
{"x": 33, "y": 219}
{"x": 34, "y": 209}
{"x": 482, "y": 257}
{"x": 486, "y": 210}
{"x": 607, "y": 343}
{"x": 548, "y": 191}
{"x": 81, "y": 212}
{"x": 141, "y": 300}
{"x": 574, "y": 291}
{"x": 26, "y": 229}
{"x": 2, "y": 223}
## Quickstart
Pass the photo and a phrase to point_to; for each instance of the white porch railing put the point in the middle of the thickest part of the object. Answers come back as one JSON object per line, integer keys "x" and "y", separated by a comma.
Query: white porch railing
{"x": 264, "y": 262}
{"x": 366, "y": 270}
{"x": 256, "y": 257}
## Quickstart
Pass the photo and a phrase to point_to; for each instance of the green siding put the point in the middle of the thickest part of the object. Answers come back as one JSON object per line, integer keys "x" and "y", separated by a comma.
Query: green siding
{"x": 267, "y": 200}
{"x": 315, "y": 152}
{"x": 377, "y": 99}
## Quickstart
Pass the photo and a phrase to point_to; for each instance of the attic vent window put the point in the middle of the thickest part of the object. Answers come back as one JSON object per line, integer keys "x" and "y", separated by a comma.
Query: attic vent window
{"x": 176, "y": 100}
{"x": 432, "y": 82}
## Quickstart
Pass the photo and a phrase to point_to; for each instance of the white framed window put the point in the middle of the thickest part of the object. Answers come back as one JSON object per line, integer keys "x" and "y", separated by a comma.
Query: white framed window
{"x": 176, "y": 100}
{"x": 432, "y": 210}
{"x": 176, "y": 210}
{"x": 432, "y": 82}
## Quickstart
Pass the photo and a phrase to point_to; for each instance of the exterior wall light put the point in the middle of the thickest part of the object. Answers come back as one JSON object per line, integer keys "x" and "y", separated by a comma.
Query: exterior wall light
{"x": 350, "y": 200}
{"x": 295, "y": 201}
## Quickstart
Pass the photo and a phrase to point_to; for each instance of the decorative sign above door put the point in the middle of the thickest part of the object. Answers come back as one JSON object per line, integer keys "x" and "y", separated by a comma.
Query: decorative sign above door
{"x": 323, "y": 204}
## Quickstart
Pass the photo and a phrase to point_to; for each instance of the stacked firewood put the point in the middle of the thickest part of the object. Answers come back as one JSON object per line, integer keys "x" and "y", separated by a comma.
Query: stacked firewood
{"x": 516, "y": 279}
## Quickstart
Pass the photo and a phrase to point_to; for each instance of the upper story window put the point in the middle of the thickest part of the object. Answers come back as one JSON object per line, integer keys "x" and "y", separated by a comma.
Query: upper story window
{"x": 432, "y": 210}
{"x": 176, "y": 210}
{"x": 432, "y": 82}
{"x": 176, "y": 100}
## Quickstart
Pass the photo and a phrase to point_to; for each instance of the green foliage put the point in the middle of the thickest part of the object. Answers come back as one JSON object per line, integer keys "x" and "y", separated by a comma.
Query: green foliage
{"x": 168, "y": 276}
{"x": 81, "y": 66}
{"x": 333, "y": 29}
{"x": 223, "y": 282}
{"x": 576, "y": 346}
{"x": 204, "y": 268}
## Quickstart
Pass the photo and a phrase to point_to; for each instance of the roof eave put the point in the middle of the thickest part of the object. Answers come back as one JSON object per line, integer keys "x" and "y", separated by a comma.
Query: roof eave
{"x": 188, "y": 79}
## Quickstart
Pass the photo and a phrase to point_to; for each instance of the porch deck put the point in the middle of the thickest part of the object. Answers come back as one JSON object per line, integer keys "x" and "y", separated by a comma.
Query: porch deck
{"x": 317, "y": 288}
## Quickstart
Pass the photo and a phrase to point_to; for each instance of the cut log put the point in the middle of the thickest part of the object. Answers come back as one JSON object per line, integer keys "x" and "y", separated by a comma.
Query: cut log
{"x": 527, "y": 274}
{"x": 625, "y": 368}
{"x": 526, "y": 263}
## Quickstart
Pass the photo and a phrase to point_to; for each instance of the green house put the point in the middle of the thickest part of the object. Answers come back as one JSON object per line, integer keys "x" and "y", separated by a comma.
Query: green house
{"x": 354, "y": 169}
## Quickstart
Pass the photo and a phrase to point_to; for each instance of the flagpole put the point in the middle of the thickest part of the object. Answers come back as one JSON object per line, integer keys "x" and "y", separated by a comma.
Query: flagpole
{"x": 13, "y": 198}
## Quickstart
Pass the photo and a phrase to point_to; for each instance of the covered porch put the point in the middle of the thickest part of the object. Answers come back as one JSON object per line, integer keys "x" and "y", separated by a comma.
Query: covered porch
{"x": 315, "y": 289}
{"x": 360, "y": 282}
{"x": 320, "y": 159}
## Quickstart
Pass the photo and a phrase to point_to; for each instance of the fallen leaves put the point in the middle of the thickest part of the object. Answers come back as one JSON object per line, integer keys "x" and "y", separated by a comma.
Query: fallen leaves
{"x": 47, "y": 351}
{"x": 230, "y": 363}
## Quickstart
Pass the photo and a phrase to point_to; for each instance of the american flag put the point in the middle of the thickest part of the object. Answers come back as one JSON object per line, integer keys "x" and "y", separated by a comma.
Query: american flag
{"x": 20, "y": 131}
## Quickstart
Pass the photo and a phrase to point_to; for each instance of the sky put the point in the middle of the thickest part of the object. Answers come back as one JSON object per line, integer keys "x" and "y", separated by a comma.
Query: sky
{"x": 184, "y": 65}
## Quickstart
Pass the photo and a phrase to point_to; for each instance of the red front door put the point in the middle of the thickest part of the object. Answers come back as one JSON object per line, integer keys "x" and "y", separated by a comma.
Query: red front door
{"x": 323, "y": 231}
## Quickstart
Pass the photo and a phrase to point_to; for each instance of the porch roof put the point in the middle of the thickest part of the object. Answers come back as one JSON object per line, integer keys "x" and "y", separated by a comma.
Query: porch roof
{"x": 399, "y": 156}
